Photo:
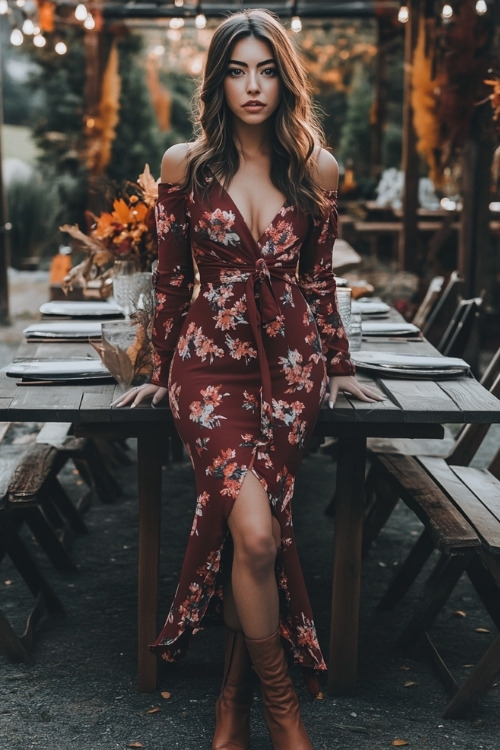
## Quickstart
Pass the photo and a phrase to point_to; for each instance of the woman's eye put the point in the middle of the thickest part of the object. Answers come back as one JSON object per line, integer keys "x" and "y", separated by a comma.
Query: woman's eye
{"x": 235, "y": 72}
{"x": 270, "y": 72}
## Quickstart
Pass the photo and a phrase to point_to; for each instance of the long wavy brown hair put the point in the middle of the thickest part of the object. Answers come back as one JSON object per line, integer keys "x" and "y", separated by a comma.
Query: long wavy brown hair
{"x": 296, "y": 134}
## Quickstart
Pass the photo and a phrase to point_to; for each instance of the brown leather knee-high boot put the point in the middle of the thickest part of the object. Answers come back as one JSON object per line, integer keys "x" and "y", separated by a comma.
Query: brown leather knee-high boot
{"x": 232, "y": 710}
{"x": 281, "y": 705}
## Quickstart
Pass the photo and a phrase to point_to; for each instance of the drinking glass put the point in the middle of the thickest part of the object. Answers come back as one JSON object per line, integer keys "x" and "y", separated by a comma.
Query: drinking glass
{"x": 123, "y": 284}
{"x": 344, "y": 303}
{"x": 355, "y": 332}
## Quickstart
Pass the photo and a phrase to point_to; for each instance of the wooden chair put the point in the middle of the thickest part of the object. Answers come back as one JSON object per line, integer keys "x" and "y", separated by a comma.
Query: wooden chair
{"x": 443, "y": 310}
{"x": 432, "y": 295}
{"x": 459, "y": 507}
{"x": 461, "y": 337}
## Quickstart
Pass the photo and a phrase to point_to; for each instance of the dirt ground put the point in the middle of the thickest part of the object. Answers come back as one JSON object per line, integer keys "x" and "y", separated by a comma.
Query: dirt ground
{"x": 79, "y": 692}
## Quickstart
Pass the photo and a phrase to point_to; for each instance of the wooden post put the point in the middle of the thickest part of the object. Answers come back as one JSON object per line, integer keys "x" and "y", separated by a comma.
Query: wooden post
{"x": 408, "y": 239}
{"x": 4, "y": 229}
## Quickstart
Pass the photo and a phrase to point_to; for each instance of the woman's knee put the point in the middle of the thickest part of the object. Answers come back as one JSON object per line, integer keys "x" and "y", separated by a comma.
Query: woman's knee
{"x": 256, "y": 550}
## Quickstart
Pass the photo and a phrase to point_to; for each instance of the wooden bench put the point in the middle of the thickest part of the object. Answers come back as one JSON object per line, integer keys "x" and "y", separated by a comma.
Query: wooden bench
{"x": 32, "y": 497}
{"x": 459, "y": 507}
{"x": 381, "y": 499}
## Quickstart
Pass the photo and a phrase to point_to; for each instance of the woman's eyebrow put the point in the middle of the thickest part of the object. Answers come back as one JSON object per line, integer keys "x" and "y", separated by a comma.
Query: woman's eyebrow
{"x": 244, "y": 64}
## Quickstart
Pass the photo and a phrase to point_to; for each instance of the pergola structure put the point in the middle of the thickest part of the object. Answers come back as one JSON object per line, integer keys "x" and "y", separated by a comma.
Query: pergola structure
{"x": 473, "y": 242}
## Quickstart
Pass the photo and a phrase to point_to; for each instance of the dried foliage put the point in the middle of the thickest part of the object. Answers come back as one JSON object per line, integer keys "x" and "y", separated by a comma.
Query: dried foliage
{"x": 125, "y": 233}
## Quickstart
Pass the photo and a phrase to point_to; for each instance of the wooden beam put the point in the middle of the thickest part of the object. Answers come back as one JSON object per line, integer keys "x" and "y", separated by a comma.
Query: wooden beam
{"x": 408, "y": 239}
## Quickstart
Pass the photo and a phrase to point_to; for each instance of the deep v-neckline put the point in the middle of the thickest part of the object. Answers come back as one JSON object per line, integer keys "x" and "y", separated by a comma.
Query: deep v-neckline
{"x": 243, "y": 220}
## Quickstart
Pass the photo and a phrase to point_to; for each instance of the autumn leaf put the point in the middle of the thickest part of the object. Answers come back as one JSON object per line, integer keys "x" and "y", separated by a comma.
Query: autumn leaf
{"x": 482, "y": 630}
{"x": 410, "y": 683}
{"x": 459, "y": 613}
{"x": 399, "y": 743}
{"x": 166, "y": 695}
{"x": 135, "y": 744}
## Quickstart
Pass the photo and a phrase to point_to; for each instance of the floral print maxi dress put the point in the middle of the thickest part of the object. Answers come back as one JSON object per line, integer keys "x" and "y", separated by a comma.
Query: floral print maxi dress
{"x": 246, "y": 366}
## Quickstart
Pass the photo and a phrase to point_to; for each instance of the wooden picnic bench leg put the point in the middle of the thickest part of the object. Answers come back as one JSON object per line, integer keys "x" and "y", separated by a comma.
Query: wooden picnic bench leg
{"x": 408, "y": 570}
{"x": 350, "y": 496}
{"x": 150, "y": 449}
{"x": 479, "y": 681}
{"x": 441, "y": 583}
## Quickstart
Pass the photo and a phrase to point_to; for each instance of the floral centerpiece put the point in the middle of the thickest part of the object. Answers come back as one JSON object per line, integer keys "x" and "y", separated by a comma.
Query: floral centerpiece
{"x": 125, "y": 233}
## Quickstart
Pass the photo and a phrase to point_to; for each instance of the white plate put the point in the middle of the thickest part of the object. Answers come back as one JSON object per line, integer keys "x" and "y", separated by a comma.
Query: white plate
{"x": 419, "y": 373}
{"x": 88, "y": 309}
{"x": 376, "y": 328}
{"x": 54, "y": 369}
{"x": 71, "y": 329}
{"x": 367, "y": 306}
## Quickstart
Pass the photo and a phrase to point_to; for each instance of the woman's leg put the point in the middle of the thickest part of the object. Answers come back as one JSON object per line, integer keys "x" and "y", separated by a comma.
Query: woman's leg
{"x": 255, "y": 593}
{"x": 253, "y": 579}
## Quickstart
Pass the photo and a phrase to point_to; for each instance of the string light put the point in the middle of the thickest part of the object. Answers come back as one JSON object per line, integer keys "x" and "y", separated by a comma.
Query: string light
{"x": 446, "y": 12}
{"x": 61, "y": 48}
{"x": 296, "y": 24}
{"x": 481, "y": 7}
{"x": 403, "y": 14}
{"x": 81, "y": 12}
{"x": 20, "y": 3}
{"x": 4, "y": 7}
{"x": 16, "y": 37}
{"x": 176, "y": 23}
{"x": 178, "y": 3}
{"x": 89, "y": 22}
{"x": 39, "y": 41}
{"x": 200, "y": 21}
{"x": 28, "y": 27}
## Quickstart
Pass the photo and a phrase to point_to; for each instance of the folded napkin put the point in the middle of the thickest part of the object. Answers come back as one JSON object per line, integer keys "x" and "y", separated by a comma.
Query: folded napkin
{"x": 382, "y": 328}
{"x": 71, "y": 329}
{"x": 55, "y": 369}
{"x": 409, "y": 361}
{"x": 84, "y": 308}
{"x": 368, "y": 306}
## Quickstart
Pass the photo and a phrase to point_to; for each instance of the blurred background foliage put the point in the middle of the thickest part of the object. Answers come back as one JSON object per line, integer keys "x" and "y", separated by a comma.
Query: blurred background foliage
{"x": 158, "y": 74}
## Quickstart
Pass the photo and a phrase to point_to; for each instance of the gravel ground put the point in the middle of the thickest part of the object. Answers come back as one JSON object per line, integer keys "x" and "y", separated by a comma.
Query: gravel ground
{"x": 79, "y": 692}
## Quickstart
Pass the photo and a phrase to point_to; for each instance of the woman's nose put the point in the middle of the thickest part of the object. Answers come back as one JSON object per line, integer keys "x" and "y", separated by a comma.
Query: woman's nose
{"x": 253, "y": 82}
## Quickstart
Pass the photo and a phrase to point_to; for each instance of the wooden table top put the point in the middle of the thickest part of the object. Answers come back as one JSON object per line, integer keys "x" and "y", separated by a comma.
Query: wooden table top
{"x": 455, "y": 400}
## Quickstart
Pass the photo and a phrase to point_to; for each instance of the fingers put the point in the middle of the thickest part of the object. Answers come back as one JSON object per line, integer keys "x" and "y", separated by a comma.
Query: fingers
{"x": 334, "y": 389}
{"x": 133, "y": 397}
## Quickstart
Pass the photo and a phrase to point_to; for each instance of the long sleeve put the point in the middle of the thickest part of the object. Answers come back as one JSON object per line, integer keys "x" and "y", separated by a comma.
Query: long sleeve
{"x": 173, "y": 277}
{"x": 317, "y": 281}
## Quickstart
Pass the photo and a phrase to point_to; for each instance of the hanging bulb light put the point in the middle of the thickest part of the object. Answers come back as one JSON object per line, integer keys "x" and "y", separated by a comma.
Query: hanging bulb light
{"x": 20, "y": 3}
{"x": 81, "y": 12}
{"x": 4, "y": 7}
{"x": 16, "y": 37}
{"x": 296, "y": 24}
{"x": 200, "y": 21}
{"x": 403, "y": 14}
{"x": 61, "y": 48}
{"x": 176, "y": 23}
{"x": 178, "y": 3}
{"x": 28, "y": 27}
{"x": 446, "y": 12}
{"x": 89, "y": 22}
{"x": 481, "y": 7}
{"x": 39, "y": 41}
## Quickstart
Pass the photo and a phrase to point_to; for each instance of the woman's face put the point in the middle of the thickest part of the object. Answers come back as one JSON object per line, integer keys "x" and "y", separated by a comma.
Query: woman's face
{"x": 252, "y": 87}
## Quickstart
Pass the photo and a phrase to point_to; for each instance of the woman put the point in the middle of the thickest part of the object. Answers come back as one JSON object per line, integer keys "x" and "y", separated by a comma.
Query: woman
{"x": 253, "y": 199}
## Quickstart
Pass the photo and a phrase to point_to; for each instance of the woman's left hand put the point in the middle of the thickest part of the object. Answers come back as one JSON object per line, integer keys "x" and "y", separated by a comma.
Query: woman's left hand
{"x": 349, "y": 384}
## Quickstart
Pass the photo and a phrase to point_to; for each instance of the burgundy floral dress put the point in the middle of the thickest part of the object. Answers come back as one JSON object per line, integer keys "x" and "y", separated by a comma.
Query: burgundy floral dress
{"x": 246, "y": 366}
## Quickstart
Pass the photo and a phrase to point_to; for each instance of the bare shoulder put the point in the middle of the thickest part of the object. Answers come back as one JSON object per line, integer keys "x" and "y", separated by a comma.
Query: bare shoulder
{"x": 327, "y": 170}
{"x": 174, "y": 163}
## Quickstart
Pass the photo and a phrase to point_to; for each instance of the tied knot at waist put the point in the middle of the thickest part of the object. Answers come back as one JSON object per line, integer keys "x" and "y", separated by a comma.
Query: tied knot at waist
{"x": 262, "y": 301}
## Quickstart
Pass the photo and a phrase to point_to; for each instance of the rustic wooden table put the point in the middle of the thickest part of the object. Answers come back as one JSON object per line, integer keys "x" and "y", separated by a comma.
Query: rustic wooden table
{"x": 412, "y": 408}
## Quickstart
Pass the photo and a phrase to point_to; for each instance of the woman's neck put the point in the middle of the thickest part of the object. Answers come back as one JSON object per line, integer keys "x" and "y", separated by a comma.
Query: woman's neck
{"x": 252, "y": 143}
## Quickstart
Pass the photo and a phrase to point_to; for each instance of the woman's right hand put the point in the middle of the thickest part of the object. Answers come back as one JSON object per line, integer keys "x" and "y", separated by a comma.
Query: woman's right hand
{"x": 135, "y": 395}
